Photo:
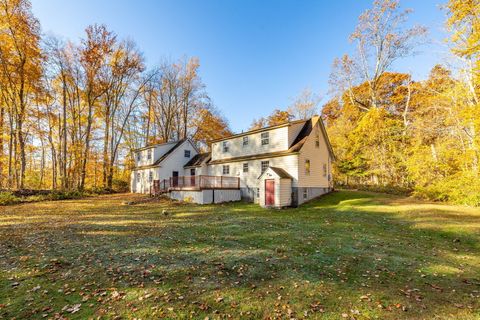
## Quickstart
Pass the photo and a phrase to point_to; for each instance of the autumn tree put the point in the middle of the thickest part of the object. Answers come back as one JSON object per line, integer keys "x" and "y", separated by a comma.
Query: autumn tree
{"x": 20, "y": 74}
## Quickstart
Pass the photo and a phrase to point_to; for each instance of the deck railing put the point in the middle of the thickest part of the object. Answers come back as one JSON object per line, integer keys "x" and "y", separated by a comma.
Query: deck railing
{"x": 194, "y": 183}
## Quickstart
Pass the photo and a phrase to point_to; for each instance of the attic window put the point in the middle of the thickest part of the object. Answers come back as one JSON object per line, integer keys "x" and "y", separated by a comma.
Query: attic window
{"x": 307, "y": 167}
{"x": 245, "y": 141}
{"x": 317, "y": 140}
{"x": 225, "y": 146}
{"x": 149, "y": 154}
{"x": 187, "y": 153}
{"x": 265, "y": 138}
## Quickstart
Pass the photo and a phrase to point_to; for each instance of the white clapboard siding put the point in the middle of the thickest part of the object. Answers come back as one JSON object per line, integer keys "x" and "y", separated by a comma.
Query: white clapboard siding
{"x": 250, "y": 179}
{"x": 278, "y": 141}
{"x": 176, "y": 160}
{"x": 140, "y": 178}
{"x": 157, "y": 152}
{"x": 284, "y": 194}
{"x": 317, "y": 156}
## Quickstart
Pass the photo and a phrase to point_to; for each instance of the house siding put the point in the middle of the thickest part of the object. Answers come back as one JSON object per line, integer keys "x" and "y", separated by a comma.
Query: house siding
{"x": 157, "y": 152}
{"x": 249, "y": 180}
{"x": 176, "y": 160}
{"x": 318, "y": 156}
{"x": 278, "y": 141}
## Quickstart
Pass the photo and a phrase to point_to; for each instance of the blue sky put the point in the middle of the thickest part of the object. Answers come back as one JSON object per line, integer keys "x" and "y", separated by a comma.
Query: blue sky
{"x": 255, "y": 55}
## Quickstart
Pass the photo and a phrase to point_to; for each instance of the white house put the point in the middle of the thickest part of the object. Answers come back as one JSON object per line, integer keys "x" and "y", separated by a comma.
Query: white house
{"x": 159, "y": 162}
{"x": 277, "y": 166}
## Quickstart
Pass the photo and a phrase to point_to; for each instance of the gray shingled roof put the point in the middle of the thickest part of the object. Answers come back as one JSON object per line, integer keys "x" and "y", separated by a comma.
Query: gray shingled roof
{"x": 198, "y": 160}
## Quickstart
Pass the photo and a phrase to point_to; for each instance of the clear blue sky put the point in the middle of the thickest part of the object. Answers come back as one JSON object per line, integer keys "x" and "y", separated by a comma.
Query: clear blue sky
{"x": 255, "y": 55}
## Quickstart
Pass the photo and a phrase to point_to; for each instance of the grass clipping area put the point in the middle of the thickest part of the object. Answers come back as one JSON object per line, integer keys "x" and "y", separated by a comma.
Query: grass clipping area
{"x": 352, "y": 255}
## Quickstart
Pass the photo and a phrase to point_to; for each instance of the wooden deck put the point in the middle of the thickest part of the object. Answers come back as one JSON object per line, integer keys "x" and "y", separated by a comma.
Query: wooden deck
{"x": 193, "y": 183}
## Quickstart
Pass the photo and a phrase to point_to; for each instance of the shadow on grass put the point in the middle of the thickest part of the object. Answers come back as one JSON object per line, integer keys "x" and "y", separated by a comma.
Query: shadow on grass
{"x": 347, "y": 252}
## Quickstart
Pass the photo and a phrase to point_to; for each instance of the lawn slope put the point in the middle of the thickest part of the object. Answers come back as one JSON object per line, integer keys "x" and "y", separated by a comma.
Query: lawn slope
{"x": 347, "y": 255}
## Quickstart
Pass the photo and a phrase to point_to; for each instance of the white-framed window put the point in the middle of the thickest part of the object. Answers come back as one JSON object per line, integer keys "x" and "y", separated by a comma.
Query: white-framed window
{"x": 149, "y": 154}
{"x": 192, "y": 171}
{"x": 226, "y": 169}
{"x": 186, "y": 153}
{"x": 305, "y": 193}
{"x": 225, "y": 146}
{"x": 245, "y": 141}
{"x": 150, "y": 176}
{"x": 307, "y": 167}
{"x": 139, "y": 156}
{"x": 317, "y": 139}
{"x": 139, "y": 176}
{"x": 265, "y": 138}
{"x": 324, "y": 170}
{"x": 257, "y": 192}
{"x": 245, "y": 167}
{"x": 264, "y": 166}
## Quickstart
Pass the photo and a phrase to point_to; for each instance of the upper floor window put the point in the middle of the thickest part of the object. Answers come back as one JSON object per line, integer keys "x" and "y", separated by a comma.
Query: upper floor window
{"x": 139, "y": 176}
{"x": 265, "y": 138}
{"x": 245, "y": 141}
{"x": 317, "y": 140}
{"x": 149, "y": 154}
{"x": 245, "y": 167}
{"x": 150, "y": 176}
{"x": 307, "y": 167}
{"x": 264, "y": 165}
{"x": 225, "y": 146}
{"x": 226, "y": 169}
{"x": 324, "y": 171}
{"x": 186, "y": 153}
{"x": 139, "y": 156}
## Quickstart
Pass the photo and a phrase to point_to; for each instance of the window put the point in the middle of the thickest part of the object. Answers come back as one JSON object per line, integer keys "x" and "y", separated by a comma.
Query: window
{"x": 149, "y": 154}
{"x": 305, "y": 193}
{"x": 245, "y": 141}
{"x": 150, "y": 176}
{"x": 245, "y": 167}
{"x": 257, "y": 192}
{"x": 226, "y": 169}
{"x": 139, "y": 176}
{"x": 324, "y": 171}
{"x": 307, "y": 167}
{"x": 139, "y": 156}
{"x": 192, "y": 171}
{"x": 186, "y": 153}
{"x": 264, "y": 166}
{"x": 265, "y": 138}
{"x": 225, "y": 146}
{"x": 317, "y": 140}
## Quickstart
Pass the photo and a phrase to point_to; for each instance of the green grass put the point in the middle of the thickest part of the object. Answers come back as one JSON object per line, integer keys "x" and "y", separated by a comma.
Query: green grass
{"x": 347, "y": 255}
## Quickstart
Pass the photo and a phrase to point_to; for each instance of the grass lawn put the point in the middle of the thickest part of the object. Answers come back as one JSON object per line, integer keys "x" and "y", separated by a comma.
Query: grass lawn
{"x": 347, "y": 255}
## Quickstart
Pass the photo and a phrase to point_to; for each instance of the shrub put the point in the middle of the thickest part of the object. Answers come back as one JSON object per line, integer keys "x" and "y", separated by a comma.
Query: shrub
{"x": 7, "y": 198}
{"x": 463, "y": 188}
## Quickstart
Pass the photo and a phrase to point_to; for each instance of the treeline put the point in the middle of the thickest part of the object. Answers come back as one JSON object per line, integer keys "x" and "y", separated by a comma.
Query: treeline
{"x": 70, "y": 111}
{"x": 392, "y": 132}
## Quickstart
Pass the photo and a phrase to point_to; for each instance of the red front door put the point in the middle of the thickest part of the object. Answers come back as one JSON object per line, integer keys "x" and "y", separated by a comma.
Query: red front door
{"x": 269, "y": 192}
